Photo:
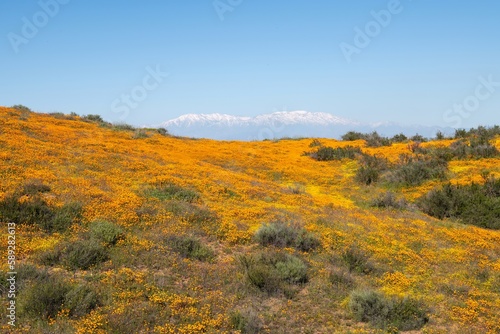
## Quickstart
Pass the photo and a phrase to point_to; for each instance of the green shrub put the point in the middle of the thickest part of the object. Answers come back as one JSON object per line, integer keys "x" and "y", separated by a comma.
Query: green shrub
{"x": 475, "y": 148}
{"x": 84, "y": 254}
{"x": 123, "y": 127}
{"x": 140, "y": 134}
{"x": 306, "y": 241}
{"x": 375, "y": 140}
{"x": 273, "y": 272}
{"x": 34, "y": 188}
{"x": 371, "y": 169}
{"x": 414, "y": 170}
{"x": 326, "y": 153}
{"x": 80, "y": 300}
{"x": 162, "y": 131}
{"x": 404, "y": 314}
{"x": 45, "y": 298}
{"x": 283, "y": 235}
{"x": 389, "y": 200}
{"x": 64, "y": 217}
{"x": 93, "y": 118}
{"x": 356, "y": 260}
{"x": 440, "y": 135}
{"x": 472, "y": 204}
{"x": 315, "y": 143}
{"x": 419, "y": 138}
{"x": 170, "y": 191}
{"x": 190, "y": 247}
{"x": 399, "y": 138}
{"x": 106, "y": 232}
{"x": 372, "y": 139}
{"x": 247, "y": 322}
{"x": 32, "y": 211}
{"x": 341, "y": 279}
{"x": 353, "y": 135}
{"x": 28, "y": 272}
{"x": 49, "y": 294}
{"x": 52, "y": 256}
{"x": 21, "y": 107}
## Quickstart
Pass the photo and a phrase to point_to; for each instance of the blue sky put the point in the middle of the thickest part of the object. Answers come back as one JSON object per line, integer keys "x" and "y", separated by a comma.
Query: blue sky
{"x": 428, "y": 63}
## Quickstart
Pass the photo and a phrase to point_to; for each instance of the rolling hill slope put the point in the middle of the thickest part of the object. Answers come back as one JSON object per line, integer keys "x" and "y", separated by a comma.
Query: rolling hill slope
{"x": 125, "y": 230}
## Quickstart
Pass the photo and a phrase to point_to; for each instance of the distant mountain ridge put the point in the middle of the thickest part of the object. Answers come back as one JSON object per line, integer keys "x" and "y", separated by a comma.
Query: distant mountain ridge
{"x": 283, "y": 124}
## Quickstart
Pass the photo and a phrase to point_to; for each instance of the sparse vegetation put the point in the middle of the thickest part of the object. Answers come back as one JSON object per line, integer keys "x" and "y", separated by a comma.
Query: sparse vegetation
{"x": 274, "y": 272}
{"x": 326, "y": 153}
{"x": 400, "y": 314}
{"x": 51, "y": 294}
{"x": 29, "y": 208}
{"x": 414, "y": 170}
{"x": 371, "y": 169}
{"x": 389, "y": 200}
{"x": 170, "y": 191}
{"x": 106, "y": 232}
{"x": 284, "y": 235}
{"x": 190, "y": 247}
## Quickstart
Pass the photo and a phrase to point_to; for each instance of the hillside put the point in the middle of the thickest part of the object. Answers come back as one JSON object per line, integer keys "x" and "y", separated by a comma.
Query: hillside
{"x": 120, "y": 230}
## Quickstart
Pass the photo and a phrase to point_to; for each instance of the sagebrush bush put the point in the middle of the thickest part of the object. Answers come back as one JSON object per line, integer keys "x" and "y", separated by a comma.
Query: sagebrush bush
{"x": 80, "y": 300}
{"x": 49, "y": 294}
{"x": 326, "y": 153}
{"x": 371, "y": 169}
{"x": 414, "y": 170}
{"x": 84, "y": 254}
{"x": 389, "y": 200}
{"x": 472, "y": 204}
{"x": 341, "y": 279}
{"x": 371, "y": 139}
{"x": 273, "y": 272}
{"x": 402, "y": 313}
{"x": 64, "y": 217}
{"x": 45, "y": 298}
{"x": 21, "y": 107}
{"x": 93, "y": 118}
{"x": 375, "y": 140}
{"x": 357, "y": 260}
{"x": 123, "y": 127}
{"x": 140, "y": 134}
{"x": 283, "y": 235}
{"x": 26, "y": 206}
{"x": 106, "y": 232}
{"x": 32, "y": 211}
{"x": 190, "y": 247}
{"x": 353, "y": 135}
{"x": 399, "y": 138}
{"x": 162, "y": 131}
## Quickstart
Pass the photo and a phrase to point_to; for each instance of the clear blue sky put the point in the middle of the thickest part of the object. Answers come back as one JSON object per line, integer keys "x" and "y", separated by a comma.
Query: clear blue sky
{"x": 264, "y": 56}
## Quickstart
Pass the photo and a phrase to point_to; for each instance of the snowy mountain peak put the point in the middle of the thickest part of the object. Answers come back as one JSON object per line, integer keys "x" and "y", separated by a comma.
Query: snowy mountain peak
{"x": 281, "y": 124}
{"x": 282, "y": 117}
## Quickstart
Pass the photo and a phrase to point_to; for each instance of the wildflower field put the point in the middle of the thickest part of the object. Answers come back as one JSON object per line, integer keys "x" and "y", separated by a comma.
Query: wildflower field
{"x": 125, "y": 230}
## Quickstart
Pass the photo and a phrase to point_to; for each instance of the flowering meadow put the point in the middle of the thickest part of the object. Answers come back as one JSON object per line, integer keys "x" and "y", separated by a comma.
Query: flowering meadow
{"x": 124, "y": 230}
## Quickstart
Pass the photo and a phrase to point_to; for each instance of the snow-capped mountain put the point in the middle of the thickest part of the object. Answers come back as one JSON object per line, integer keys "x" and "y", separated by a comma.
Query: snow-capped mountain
{"x": 281, "y": 124}
{"x": 283, "y": 117}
